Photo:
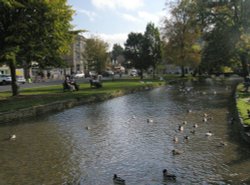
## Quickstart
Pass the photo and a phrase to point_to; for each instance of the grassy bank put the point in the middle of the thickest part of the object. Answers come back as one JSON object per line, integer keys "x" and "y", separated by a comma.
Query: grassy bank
{"x": 44, "y": 95}
{"x": 243, "y": 103}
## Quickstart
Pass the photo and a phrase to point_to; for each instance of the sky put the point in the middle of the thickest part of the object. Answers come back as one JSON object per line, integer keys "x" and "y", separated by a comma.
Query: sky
{"x": 113, "y": 20}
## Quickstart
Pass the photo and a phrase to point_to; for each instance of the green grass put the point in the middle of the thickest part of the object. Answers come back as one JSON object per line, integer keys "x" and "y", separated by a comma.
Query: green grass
{"x": 44, "y": 95}
{"x": 243, "y": 103}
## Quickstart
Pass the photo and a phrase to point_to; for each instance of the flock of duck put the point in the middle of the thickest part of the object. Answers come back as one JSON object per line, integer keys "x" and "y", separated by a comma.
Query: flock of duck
{"x": 166, "y": 176}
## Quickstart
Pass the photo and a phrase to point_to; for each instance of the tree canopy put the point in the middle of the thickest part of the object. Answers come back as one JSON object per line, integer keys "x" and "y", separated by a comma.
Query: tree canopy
{"x": 34, "y": 31}
{"x": 96, "y": 53}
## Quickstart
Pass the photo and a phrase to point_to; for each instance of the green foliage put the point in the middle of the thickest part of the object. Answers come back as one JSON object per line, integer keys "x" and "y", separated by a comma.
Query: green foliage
{"x": 135, "y": 51}
{"x": 243, "y": 103}
{"x": 152, "y": 45}
{"x": 182, "y": 36}
{"x": 117, "y": 51}
{"x": 96, "y": 54}
{"x": 35, "y": 31}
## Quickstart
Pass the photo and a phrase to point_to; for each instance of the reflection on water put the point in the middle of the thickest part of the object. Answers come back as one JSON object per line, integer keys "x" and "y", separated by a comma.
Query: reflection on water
{"x": 88, "y": 144}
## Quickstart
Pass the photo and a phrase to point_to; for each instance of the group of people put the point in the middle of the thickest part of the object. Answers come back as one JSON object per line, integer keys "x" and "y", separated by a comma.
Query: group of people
{"x": 70, "y": 84}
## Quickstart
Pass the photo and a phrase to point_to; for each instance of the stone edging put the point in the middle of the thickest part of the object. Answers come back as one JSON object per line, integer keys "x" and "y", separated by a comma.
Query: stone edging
{"x": 61, "y": 105}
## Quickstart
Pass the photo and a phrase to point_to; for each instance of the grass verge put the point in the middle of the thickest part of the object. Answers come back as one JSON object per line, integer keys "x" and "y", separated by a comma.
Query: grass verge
{"x": 243, "y": 103}
{"x": 44, "y": 95}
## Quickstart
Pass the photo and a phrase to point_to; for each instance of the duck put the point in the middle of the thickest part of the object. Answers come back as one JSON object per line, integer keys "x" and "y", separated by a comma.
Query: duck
{"x": 186, "y": 138}
{"x": 150, "y": 120}
{"x": 205, "y": 115}
{"x": 189, "y": 111}
{"x": 181, "y": 128}
{"x": 184, "y": 122}
{"x": 176, "y": 152}
{"x": 168, "y": 176}
{"x": 195, "y": 125}
{"x": 192, "y": 131}
{"x": 133, "y": 117}
{"x": 87, "y": 127}
{"x": 12, "y": 137}
{"x": 118, "y": 180}
{"x": 209, "y": 133}
{"x": 204, "y": 119}
{"x": 175, "y": 139}
{"x": 221, "y": 144}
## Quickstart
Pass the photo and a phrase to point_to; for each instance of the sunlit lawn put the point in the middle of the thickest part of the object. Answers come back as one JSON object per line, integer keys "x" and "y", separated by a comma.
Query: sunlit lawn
{"x": 243, "y": 103}
{"x": 44, "y": 95}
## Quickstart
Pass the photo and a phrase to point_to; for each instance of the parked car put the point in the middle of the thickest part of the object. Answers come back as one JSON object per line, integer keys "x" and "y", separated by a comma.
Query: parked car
{"x": 5, "y": 79}
{"x": 79, "y": 75}
{"x": 134, "y": 72}
{"x": 20, "y": 79}
{"x": 107, "y": 73}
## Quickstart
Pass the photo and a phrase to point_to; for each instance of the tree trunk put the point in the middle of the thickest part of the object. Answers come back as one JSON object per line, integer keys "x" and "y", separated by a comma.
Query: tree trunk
{"x": 141, "y": 74}
{"x": 14, "y": 86}
{"x": 243, "y": 58}
{"x": 182, "y": 71}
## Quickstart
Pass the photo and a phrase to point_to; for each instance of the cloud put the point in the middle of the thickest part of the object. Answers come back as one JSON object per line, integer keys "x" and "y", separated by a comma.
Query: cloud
{"x": 130, "y": 18}
{"x": 91, "y": 15}
{"x": 115, "y": 4}
{"x": 143, "y": 16}
{"x": 117, "y": 38}
{"x": 150, "y": 17}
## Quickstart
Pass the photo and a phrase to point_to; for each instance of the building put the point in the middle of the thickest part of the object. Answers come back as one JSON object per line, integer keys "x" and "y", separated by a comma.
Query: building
{"x": 75, "y": 59}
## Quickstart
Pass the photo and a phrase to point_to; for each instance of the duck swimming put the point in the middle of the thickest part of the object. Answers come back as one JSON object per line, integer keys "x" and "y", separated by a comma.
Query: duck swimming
{"x": 181, "y": 128}
{"x": 12, "y": 137}
{"x": 175, "y": 139}
{"x": 118, "y": 180}
{"x": 150, "y": 120}
{"x": 209, "y": 133}
{"x": 168, "y": 176}
{"x": 176, "y": 152}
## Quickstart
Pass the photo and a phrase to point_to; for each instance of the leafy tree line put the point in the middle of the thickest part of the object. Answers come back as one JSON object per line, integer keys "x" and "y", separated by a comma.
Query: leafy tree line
{"x": 208, "y": 35}
{"x": 34, "y": 31}
{"x": 144, "y": 50}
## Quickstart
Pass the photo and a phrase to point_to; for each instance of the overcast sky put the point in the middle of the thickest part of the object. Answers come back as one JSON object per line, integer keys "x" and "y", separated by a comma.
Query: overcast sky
{"x": 113, "y": 20}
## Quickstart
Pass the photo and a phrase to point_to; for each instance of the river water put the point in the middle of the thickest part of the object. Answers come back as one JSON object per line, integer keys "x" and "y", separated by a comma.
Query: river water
{"x": 86, "y": 145}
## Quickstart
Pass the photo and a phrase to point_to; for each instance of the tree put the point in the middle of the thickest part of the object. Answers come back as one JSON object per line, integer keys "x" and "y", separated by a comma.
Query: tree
{"x": 182, "y": 36}
{"x": 33, "y": 30}
{"x": 117, "y": 51}
{"x": 96, "y": 53}
{"x": 135, "y": 51}
{"x": 234, "y": 16}
{"x": 152, "y": 44}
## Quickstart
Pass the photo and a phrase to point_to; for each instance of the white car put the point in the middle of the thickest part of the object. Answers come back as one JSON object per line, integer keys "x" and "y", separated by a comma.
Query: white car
{"x": 20, "y": 79}
{"x": 5, "y": 79}
{"x": 134, "y": 73}
{"x": 79, "y": 75}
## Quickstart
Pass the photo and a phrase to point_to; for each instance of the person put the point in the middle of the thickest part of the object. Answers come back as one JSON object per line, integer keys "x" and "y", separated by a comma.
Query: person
{"x": 67, "y": 84}
{"x": 48, "y": 75}
{"x": 95, "y": 81}
{"x": 73, "y": 82}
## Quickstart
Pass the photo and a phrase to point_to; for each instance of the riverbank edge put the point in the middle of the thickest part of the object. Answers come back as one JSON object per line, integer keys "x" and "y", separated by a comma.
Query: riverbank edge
{"x": 244, "y": 128}
{"x": 35, "y": 111}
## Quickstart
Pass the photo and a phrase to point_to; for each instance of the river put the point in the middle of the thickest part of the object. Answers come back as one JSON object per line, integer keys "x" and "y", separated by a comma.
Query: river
{"x": 87, "y": 144}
